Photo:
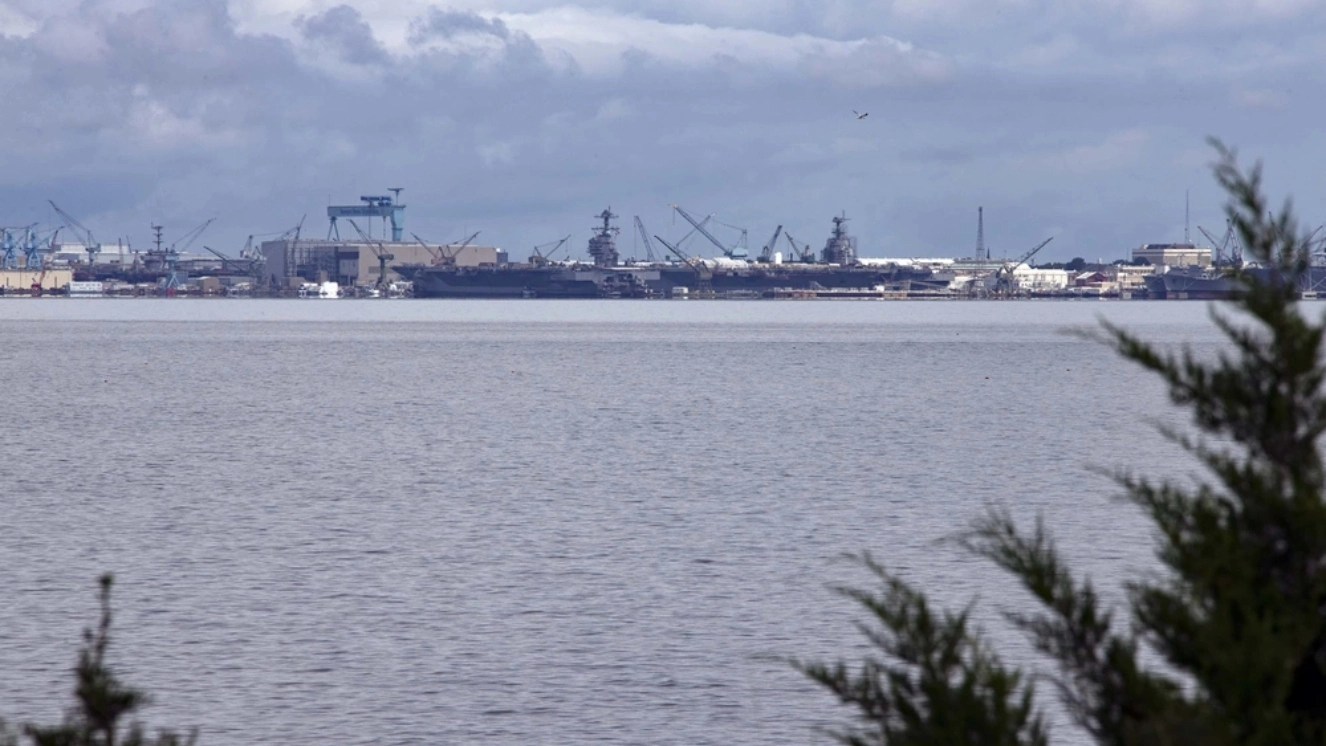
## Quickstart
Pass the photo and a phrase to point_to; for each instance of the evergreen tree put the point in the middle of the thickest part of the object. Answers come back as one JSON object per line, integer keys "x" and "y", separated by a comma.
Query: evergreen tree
{"x": 1238, "y": 616}
{"x": 102, "y": 702}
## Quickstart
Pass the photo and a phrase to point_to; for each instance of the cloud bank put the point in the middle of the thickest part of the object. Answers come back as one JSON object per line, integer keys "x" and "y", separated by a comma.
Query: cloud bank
{"x": 524, "y": 118}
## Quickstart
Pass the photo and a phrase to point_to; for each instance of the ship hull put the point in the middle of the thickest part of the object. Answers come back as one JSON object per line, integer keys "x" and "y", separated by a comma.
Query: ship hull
{"x": 764, "y": 280}
{"x": 1206, "y": 286}
{"x": 524, "y": 282}
{"x": 616, "y": 282}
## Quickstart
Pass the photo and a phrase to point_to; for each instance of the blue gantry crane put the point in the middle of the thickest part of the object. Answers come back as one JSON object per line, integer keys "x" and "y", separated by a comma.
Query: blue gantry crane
{"x": 32, "y": 245}
{"x": 387, "y": 208}
{"x": 8, "y": 255}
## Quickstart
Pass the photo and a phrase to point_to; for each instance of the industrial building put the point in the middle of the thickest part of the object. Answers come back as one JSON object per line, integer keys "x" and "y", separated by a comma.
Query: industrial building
{"x": 291, "y": 261}
{"x": 1172, "y": 255}
{"x": 359, "y": 263}
{"x": 1039, "y": 279}
{"x": 20, "y": 281}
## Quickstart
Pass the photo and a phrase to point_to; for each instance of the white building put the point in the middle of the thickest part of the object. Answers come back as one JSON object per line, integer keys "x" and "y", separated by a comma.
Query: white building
{"x": 1038, "y": 279}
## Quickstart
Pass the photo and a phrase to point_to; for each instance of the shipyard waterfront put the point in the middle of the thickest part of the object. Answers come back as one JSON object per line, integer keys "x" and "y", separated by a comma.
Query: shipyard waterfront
{"x": 357, "y": 260}
{"x": 543, "y": 522}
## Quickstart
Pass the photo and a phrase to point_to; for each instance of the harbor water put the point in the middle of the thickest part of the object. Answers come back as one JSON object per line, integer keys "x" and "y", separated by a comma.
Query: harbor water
{"x": 433, "y": 522}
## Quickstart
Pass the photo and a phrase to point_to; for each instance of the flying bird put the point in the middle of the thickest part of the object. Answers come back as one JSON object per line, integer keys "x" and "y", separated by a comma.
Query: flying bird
{"x": 859, "y": 115}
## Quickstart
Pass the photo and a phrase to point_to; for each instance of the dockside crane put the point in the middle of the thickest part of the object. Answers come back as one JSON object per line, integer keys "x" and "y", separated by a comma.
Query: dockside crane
{"x": 766, "y": 254}
{"x": 381, "y": 251}
{"x": 440, "y": 254}
{"x": 436, "y": 253}
{"x": 1004, "y": 286}
{"x": 456, "y": 248}
{"x": 644, "y": 238}
{"x": 540, "y": 258}
{"x": 9, "y": 258}
{"x": 225, "y": 260}
{"x": 171, "y": 254}
{"x": 731, "y": 253}
{"x": 802, "y": 252}
{"x": 32, "y": 243}
{"x": 704, "y": 274}
{"x": 740, "y": 249}
{"x": 84, "y": 235}
{"x": 1220, "y": 247}
{"x": 188, "y": 238}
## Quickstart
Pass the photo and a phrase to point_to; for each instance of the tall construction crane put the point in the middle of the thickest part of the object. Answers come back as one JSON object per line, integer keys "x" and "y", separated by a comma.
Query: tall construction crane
{"x": 436, "y": 253}
{"x": 766, "y": 254}
{"x": 84, "y": 235}
{"x": 249, "y": 270}
{"x": 644, "y": 238}
{"x": 188, "y": 238}
{"x": 540, "y": 257}
{"x": 704, "y": 274}
{"x": 1004, "y": 286}
{"x": 1219, "y": 247}
{"x": 731, "y": 253}
{"x": 456, "y": 248}
{"x": 381, "y": 251}
{"x": 801, "y": 253}
{"x": 740, "y": 249}
{"x": 681, "y": 244}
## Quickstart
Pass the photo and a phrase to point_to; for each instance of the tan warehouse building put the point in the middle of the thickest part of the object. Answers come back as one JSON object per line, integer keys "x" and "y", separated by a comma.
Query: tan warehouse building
{"x": 357, "y": 263}
{"x": 20, "y": 281}
{"x": 1173, "y": 255}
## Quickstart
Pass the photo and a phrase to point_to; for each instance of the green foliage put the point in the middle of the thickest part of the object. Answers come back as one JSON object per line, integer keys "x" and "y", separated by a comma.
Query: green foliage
{"x": 1240, "y": 615}
{"x": 938, "y": 683}
{"x": 102, "y": 702}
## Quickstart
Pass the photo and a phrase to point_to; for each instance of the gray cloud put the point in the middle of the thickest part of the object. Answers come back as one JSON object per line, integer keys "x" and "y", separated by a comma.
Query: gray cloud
{"x": 1055, "y": 122}
{"x": 444, "y": 24}
{"x": 343, "y": 30}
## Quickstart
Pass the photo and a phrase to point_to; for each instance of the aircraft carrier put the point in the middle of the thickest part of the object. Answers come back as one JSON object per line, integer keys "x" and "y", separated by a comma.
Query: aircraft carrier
{"x": 836, "y": 268}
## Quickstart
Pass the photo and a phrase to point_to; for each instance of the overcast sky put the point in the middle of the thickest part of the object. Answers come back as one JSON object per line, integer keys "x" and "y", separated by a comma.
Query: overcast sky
{"x": 1083, "y": 120}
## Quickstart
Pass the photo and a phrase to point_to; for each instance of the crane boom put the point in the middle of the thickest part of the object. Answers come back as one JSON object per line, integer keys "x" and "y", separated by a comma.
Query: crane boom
{"x": 703, "y": 231}
{"x": 226, "y": 260}
{"x": 644, "y": 237}
{"x": 84, "y": 235}
{"x": 802, "y": 253}
{"x": 465, "y": 243}
{"x": 1027, "y": 256}
{"x": 767, "y": 253}
{"x": 676, "y": 250}
{"x": 383, "y": 255}
{"x": 190, "y": 237}
{"x": 437, "y": 255}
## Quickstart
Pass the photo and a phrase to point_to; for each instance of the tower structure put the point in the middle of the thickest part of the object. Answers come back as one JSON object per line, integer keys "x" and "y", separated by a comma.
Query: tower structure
{"x": 840, "y": 248}
{"x": 603, "y": 244}
{"x": 981, "y": 251}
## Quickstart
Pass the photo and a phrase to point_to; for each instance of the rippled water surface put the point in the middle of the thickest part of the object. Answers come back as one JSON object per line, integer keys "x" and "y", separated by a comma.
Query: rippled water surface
{"x": 419, "y": 522}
